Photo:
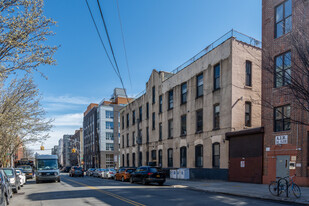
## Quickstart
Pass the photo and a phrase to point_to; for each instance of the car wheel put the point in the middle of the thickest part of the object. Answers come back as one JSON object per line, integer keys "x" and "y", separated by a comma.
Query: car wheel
{"x": 131, "y": 180}
{"x": 144, "y": 181}
{"x": 15, "y": 190}
{"x": 122, "y": 179}
{"x": 18, "y": 187}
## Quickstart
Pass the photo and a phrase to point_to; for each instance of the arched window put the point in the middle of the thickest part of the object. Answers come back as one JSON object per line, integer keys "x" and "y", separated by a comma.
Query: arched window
{"x": 133, "y": 159}
{"x": 170, "y": 157}
{"x": 183, "y": 157}
{"x": 216, "y": 155}
{"x": 123, "y": 160}
{"x": 128, "y": 160}
{"x": 199, "y": 155}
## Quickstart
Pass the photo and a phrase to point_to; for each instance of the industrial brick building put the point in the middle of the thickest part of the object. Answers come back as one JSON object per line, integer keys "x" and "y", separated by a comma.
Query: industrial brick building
{"x": 181, "y": 119}
{"x": 285, "y": 137}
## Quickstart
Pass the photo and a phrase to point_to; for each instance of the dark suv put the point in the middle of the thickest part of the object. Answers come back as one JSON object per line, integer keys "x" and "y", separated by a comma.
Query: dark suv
{"x": 147, "y": 174}
{"x": 76, "y": 171}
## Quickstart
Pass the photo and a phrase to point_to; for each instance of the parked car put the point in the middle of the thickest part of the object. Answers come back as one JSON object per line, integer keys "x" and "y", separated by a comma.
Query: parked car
{"x": 14, "y": 179}
{"x": 21, "y": 176}
{"x": 28, "y": 170}
{"x": 109, "y": 173}
{"x": 147, "y": 174}
{"x": 66, "y": 169}
{"x": 98, "y": 172}
{"x": 6, "y": 189}
{"x": 124, "y": 174}
{"x": 76, "y": 171}
{"x": 90, "y": 171}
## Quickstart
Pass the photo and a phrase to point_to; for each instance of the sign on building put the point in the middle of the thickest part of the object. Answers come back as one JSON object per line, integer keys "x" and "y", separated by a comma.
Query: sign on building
{"x": 282, "y": 139}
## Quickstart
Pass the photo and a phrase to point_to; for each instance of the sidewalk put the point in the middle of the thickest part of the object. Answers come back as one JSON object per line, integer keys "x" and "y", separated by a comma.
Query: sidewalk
{"x": 259, "y": 191}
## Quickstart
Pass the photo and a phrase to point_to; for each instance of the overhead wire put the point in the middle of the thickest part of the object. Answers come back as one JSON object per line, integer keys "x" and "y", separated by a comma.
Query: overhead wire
{"x": 96, "y": 27}
{"x": 123, "y": 42}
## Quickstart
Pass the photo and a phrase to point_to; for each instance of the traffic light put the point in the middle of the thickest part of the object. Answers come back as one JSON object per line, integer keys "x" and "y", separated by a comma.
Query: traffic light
{"x": 42, "y": 147}
{"x": 73, "y": 150}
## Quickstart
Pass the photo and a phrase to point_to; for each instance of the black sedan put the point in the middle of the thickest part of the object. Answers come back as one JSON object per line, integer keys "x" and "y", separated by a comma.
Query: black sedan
{"x": 147, "y": 174}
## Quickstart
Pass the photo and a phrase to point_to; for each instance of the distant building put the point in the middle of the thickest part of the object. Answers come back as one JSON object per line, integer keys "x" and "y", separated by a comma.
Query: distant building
{"x": 54, "y": 150}
{"x": 91, "y": 139}
{"x": 66, "y": 150}
{"x": 60, "y": 152}
{"x": 108, "y": 121}
{"x": 75, "y": 149}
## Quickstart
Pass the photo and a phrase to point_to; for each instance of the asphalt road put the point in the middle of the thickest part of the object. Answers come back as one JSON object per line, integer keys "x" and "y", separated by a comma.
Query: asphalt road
{"x": 78, "y": 191}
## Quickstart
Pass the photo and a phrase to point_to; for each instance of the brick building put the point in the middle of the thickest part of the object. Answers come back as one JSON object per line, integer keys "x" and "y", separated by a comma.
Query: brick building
{"x": 285, "y": 141}
{"x": 182, "y": 118}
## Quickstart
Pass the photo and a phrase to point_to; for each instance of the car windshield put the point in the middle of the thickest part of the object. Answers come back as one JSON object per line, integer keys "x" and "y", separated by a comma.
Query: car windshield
{"x": 47, "y": 164}
{"x": 77, "y": 168}
{"x": 9, "y": 172}
{"x": 112, "y": 170}
{"x": 26, "y": 167}
{"x": 101, "y": 169}
{"x": 130, "y": 170}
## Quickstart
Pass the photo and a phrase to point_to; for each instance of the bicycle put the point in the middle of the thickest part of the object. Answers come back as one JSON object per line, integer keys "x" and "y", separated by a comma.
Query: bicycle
{"x": 293, "y": 186}
{"x": 277, "y": 187}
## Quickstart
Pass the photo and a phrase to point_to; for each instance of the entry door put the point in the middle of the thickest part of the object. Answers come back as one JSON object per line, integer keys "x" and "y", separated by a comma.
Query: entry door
{"x": 282, "y": 166}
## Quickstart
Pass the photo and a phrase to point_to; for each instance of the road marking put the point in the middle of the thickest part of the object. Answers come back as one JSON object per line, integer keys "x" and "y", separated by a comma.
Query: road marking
{"x": 108, "y": 193}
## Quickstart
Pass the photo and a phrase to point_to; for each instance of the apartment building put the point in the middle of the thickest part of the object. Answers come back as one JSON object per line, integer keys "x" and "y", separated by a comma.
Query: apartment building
{"x": 66, "y": 150}
{"x": 285, "y": 23}
{"x": 76, "y": 148}
{"x": 91, "y": 139}
{"x": 181, "y": 119}
{"x": 108, "y": 122}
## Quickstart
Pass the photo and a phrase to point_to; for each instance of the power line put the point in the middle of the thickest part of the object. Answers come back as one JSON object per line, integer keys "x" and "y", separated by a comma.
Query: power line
{"x": 118, "y": 74}
{"x": 124, "y": 45}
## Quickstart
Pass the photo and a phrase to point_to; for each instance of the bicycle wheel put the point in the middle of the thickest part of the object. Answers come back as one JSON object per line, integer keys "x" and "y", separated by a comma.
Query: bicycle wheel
{"x": 296, "y": 191}
{"x": 273, "y": 188}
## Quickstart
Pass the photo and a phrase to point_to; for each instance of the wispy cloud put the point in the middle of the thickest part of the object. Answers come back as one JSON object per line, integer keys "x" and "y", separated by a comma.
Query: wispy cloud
{"x": 70, "y": 100}
{"x": 75, "y": 119}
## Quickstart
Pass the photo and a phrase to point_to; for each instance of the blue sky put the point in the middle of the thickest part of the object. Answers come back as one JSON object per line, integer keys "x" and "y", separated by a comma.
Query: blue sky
{"x": 159, "y": 34}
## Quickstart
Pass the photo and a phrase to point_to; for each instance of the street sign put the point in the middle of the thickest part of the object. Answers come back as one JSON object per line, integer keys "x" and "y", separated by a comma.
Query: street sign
{"x": 282, "y": 139}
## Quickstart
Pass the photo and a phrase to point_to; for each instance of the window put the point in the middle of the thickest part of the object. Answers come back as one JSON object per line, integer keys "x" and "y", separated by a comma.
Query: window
{"x": 199, "y": 85}
{"x": 122, "y": 141}
{"x": 110, "y": 146}
{"x": 128, "y": 140}
{"x": 183, "y": 126}
{"x": 170, "y": 99}
{"x": 216, "y": 116}
{"x": 133, "y": 138}
{"x": 109, "y": 125}
{"x": 160, "y": 131}
{"x": 128, "y": 120}
{"x": 139, "y": 137}
{"x": 283, "y": 69}
{"x": 248, "y": 73}
{"x": 160, "y": 104}
{"x": 147, "y": 110}
{"x": 128, "y": 160}
{"x": 153, "y": 95}
{"x": 109, "y": 114}
{"x": 123, "y": 160}
{"x": 133, "y": 117}
{"x": 283, "y": 18}
{"x": 217, "y": 77}
{"x": 140, "y": 159}
{"x": 170, "y": 128}
{"x": 153, "y": 120}
{"x": 282, "y": 118}
{"x": 199, "y": 155}
{"x": 140, "y": 114}
{"x": 183, "y": 93}
{"x": 160, "y": 158}
{"x": 109, "y": 136}
{"x": 153, "y": 155}
{"x": 133, "y": 159}
{"x": 147, "y": 134}
{"x": 183, "y": 157}
{"x": 122, "y": 122}
{"x": 199, "y": 120}
{"x": 216, "y": 155}
{"x": 248, "y": 114}
{"x": 170, "y": 157}
{"x": 147, "y": 157}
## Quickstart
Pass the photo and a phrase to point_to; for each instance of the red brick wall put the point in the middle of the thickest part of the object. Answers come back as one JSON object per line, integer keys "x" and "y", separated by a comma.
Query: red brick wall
{"x": 273, "y": 97}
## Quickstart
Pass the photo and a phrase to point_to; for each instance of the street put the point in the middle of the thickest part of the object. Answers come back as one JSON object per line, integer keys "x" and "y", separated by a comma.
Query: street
{"x": 94, "y": 191}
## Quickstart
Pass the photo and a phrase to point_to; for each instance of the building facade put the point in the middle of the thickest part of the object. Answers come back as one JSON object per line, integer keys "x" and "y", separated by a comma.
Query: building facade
{"x": 108, "y": 122}
{"x": 91, "y": 139}
{"x": 182, "y": 118}
{"x": 75, "y": 148}
{"x": 284, "y": 23}
{"x": 66, "y": 150}
{"x": 60, "y": 152}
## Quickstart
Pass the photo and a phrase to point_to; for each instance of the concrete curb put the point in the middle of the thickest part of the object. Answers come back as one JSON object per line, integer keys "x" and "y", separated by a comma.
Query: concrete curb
{"x": 282, "y": 200}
